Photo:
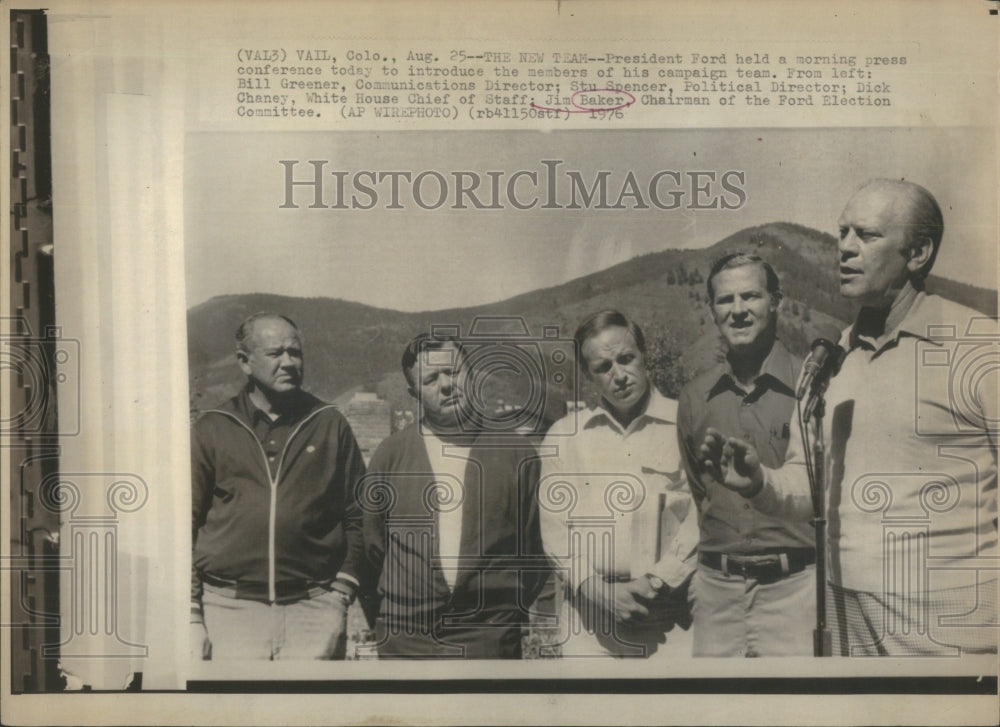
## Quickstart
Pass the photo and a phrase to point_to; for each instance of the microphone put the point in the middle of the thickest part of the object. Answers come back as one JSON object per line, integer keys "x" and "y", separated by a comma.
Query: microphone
{"x": 822, "y": 365}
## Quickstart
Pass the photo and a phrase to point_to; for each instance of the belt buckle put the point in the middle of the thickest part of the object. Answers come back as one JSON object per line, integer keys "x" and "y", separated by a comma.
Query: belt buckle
{"x": 733, "y": 567}
{"x": 767, "y": 572}
{"x": 770, "y": 571}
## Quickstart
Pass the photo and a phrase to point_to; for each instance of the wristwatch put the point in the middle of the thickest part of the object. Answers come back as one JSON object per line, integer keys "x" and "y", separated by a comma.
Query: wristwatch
{"x": 657, "y": 583}
{"x": 345, "y": 590}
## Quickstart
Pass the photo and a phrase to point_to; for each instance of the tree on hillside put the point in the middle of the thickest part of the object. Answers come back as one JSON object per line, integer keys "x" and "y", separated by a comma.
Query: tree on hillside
{"x": 663, "y": 360}
{"x": 795, "y": 337}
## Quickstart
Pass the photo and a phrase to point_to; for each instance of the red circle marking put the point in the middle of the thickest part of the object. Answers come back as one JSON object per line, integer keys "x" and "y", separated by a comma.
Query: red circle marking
{"x": 572, "y": 100}
{"x": 578, "y": 109}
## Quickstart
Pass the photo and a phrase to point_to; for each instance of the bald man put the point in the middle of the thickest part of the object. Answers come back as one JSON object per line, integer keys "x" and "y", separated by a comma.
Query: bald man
{"x": 911, "y": 456}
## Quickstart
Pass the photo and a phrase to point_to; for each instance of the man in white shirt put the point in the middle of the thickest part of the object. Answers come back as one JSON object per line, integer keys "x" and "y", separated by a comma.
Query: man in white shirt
{"x": 911, "y": 456}
{"x": 617, "y": 514}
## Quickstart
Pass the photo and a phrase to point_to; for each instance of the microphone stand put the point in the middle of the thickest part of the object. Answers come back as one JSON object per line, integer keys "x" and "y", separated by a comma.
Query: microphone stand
{"x": 816, "y": 408}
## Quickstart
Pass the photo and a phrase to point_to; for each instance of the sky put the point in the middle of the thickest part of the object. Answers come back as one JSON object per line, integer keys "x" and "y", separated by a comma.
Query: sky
{"x": 238, "y": 240}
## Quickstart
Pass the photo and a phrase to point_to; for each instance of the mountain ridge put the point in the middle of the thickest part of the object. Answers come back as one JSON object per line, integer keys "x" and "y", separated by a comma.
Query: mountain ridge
{"x": 359, "y": 344}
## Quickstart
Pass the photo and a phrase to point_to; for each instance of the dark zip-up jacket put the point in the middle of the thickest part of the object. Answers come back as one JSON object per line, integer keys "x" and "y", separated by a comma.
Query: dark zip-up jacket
{"x": 297, "y": 521}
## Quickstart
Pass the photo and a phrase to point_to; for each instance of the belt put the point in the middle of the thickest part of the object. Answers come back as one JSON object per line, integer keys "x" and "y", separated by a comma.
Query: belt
{"x": 762, "y": 566}
{"x": 284, "y": 591}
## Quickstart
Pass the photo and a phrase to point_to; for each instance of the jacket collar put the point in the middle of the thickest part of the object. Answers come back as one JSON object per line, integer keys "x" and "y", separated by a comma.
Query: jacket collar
{"x": 243, "y": 407}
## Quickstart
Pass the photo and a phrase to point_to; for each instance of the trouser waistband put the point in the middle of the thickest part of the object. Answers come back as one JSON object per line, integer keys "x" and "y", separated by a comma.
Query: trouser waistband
{"x": 762, "y": 566}
{"x": 284, "y": 591}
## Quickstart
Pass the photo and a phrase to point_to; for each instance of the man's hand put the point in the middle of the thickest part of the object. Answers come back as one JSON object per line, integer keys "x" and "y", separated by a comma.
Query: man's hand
{"x": 336, "y": 645}
{"x": 201, "y": 645}
{"x": 627, "y": 601}
{"x": 731, "y": 463}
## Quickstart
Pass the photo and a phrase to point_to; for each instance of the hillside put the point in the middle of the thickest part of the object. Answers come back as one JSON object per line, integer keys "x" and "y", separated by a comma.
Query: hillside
{"x": 354, "y": 345}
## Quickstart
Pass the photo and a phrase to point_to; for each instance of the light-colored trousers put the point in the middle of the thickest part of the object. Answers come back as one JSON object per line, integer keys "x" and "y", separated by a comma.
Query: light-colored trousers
{"x": 737, "y": 616}
{"x": 242, "y": 629}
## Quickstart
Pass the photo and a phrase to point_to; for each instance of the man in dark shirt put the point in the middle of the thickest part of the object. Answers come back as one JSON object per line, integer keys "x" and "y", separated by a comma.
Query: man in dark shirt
{"x": 278, "y": 546}
{"x": 754, "y": 592}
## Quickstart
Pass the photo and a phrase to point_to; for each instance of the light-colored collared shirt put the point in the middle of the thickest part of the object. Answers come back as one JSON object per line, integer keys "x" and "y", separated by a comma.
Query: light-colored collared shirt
{"x": 911, "y": 454}
{"x": 615, "y": 501}
{"x": 448, "y": 462}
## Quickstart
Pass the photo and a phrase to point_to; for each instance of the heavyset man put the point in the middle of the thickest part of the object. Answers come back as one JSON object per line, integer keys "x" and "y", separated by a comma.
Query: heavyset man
{"x": 278, "y": 549}
{"x": 617, "y": 515}
{"x": 754, "y": 591}
{"x": 911, "y": 432}
{"x": 451, "y": 522}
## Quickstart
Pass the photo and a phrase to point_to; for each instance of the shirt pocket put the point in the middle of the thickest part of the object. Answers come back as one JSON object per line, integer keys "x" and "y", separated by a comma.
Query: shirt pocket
{"x": 668, "y": 489}
{"x": 777, "y": 443}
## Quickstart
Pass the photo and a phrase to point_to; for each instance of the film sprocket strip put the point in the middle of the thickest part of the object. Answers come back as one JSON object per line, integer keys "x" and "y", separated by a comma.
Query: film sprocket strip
{"x": 42, "y": 367}
{"x": 28, "y": 428}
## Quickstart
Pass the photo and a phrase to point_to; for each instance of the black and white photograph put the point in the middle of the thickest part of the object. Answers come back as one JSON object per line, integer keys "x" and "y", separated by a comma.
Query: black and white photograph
{"x": 621, "y": 235}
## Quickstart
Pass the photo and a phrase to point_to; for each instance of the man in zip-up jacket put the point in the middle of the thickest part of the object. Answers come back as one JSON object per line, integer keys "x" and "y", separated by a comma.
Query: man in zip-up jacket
{"x": 278, "y": 545}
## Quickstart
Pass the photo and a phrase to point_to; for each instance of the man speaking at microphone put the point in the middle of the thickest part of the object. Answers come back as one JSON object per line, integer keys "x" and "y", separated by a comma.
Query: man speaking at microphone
{"x": 754, "y": 590}
{"x": 911, "y": 455}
